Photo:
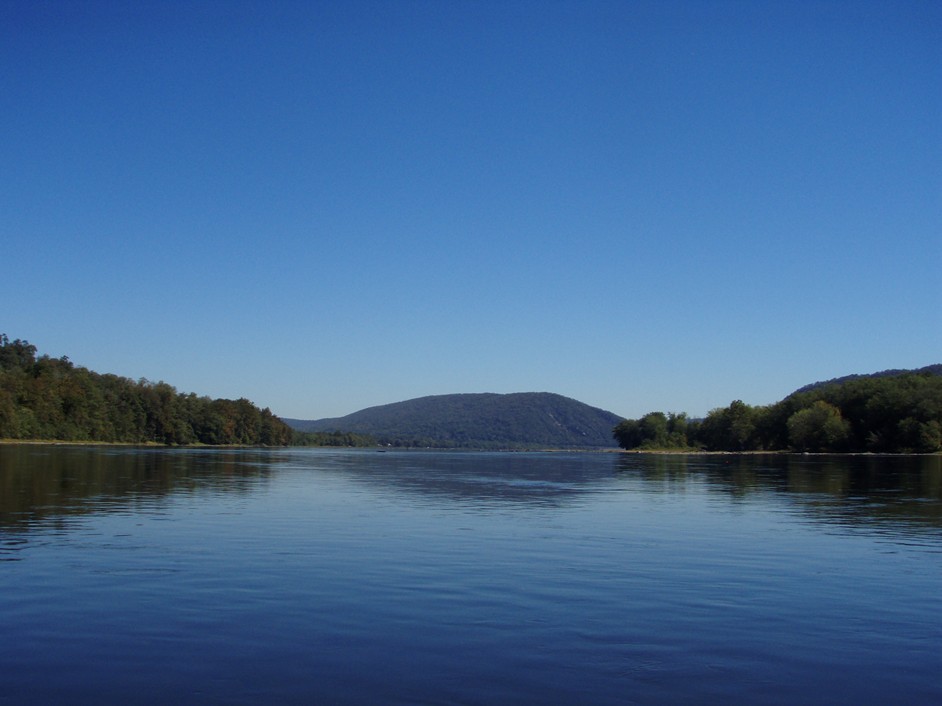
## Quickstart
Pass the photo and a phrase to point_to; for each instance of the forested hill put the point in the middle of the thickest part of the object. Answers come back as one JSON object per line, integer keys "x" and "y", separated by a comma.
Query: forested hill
{"x": 896, "y": 411}
{"x": 928, "y": 370}
{"x": 480, "y": 420}
{"x": 51, "y": 398}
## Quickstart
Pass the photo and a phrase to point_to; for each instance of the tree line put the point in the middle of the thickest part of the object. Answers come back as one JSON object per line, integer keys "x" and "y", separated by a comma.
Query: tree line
{"x": 51, "y": 398}
{"x": 892, "y": 414}
{"x": 332, "y": 438}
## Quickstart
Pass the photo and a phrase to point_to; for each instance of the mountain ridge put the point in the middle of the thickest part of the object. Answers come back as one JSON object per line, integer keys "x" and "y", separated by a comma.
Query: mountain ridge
{"x": 935, "y": 369}
{"x": 478, "y": 420}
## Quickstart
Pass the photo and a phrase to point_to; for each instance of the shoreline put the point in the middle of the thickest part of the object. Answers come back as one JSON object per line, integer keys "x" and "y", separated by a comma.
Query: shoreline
{"x": 633, "y": 452}
{"x": 137, "y": 444}
{"x": 649, "y": 452}
{"x": 783, "y": 452}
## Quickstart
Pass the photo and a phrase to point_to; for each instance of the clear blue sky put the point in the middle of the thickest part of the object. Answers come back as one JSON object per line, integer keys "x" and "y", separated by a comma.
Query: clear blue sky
{"x": 329, "y": 206}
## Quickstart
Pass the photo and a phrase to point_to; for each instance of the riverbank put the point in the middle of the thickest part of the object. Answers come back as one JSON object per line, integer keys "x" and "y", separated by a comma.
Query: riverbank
{"x": 632, "y": 452}
{"x": 137, "y": 444}
{"x": 781, "y": 452}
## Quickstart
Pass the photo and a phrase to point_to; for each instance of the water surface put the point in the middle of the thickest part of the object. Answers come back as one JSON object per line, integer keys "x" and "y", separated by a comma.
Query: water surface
{"x": 354, "y": 577}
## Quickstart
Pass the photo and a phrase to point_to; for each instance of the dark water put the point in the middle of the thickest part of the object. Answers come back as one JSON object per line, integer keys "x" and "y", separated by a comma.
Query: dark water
{"x": 351, "y": 577}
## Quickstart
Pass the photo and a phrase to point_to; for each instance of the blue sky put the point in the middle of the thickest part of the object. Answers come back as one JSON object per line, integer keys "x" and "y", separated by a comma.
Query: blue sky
{"x": 329, "y": 206}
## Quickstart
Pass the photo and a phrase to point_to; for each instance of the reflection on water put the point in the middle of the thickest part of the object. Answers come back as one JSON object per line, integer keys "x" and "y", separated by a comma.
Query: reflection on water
{"x": 479, "y": 478}
{"x": 887, "y": 489}
{"x": 156, "y": 576}
{"x": 48, "y": 483}
{"x": 45, "y": 484}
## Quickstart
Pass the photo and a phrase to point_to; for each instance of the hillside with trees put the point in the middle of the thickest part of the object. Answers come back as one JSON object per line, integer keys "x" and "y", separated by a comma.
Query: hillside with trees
{"x": 928, "y": 370}
{"x": 481, "y": 420}
{"x": 889, "y": 412}
{"x": 51, "y": 398}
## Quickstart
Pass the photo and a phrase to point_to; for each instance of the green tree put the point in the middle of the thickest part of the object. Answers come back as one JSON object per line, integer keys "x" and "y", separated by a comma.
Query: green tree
{"x": 731, "y": 428}
{"x": 655, "y": 430}
{"x": 628, "y": 434}
{"x": 50, "y": 398}
{"x": 818, "y": 428}
{"x": 915, "y": 436}
{"x": 18, "y": 354}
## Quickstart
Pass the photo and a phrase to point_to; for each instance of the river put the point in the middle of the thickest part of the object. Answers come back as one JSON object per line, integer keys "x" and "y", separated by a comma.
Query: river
{"x": 227, "y": 576}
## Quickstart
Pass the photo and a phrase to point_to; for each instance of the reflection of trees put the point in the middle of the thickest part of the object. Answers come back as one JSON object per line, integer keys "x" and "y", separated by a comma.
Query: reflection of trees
{"x": 45, "y": 484}
{"x": 834, "y": 488}
{"x": 480, "y": 477}
{"x": 734, "y": 475}
{"x": 42, "y": 482}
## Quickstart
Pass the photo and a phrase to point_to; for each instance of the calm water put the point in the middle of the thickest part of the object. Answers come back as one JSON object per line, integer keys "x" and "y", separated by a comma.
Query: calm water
{"x": 356, "y": 577}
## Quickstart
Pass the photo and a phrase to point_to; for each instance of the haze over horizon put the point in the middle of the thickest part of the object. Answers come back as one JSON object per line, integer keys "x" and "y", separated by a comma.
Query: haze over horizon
{"x": 324, "y": 207}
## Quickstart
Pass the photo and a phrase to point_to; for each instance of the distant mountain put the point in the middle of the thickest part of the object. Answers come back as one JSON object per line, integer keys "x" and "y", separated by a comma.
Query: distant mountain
{"x": 483, "y": 420}
{"x": 928, "y": 370}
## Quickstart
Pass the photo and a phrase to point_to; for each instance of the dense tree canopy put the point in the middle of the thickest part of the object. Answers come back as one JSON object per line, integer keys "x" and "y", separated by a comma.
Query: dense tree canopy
{"x": 50, "y": 398}
{"x": 899, "y": 413}
{"x": 332, "y": 438}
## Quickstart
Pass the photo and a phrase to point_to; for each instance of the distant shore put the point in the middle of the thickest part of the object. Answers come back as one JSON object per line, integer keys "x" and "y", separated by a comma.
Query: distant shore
{"x": 146, "y": 444}
{"x": 784, "y": 452}
{"x": 633, "y": 452}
